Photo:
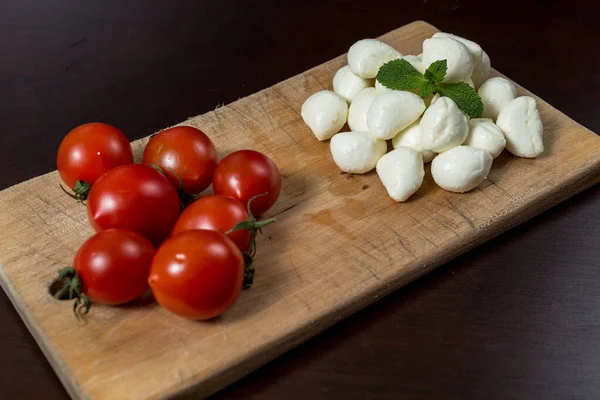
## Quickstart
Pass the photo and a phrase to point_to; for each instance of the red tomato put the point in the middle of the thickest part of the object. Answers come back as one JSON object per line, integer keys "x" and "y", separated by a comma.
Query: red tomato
{"x": 215, "y": 213}
{"x": 113, "y": 266}
{"x": 137, "y": 198}
{"x": 187, "y": 156}
{"x": 197, "y": 274}
{"x": 90, "y": 150}
{"x": 245, "y": 174}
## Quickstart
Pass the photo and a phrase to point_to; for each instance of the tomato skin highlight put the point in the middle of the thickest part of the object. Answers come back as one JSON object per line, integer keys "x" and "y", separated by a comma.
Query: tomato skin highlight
{"x": 90, "y": 150}
{"x": 247, "y": 173}
{"x": 134, "y": 197}
{"x": 184, "y": 153}
{"x": 215, "y": 213}
{"x": 197, "y": 274}
{"x": 114, "y": 265}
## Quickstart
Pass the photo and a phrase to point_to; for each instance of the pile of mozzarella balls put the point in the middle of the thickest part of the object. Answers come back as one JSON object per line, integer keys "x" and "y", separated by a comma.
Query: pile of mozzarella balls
{"x": 433, "y": 130}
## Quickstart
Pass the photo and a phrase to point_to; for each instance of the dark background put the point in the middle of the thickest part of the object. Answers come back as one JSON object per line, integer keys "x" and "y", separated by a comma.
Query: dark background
{"x": 518, "y": 317}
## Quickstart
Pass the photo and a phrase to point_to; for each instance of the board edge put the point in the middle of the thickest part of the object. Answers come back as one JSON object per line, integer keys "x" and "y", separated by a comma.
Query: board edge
{"x": 59, "y": 367}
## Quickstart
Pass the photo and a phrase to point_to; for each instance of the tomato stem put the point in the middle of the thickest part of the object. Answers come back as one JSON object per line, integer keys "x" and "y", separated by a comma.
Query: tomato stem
{"x": 80, "y": 191}
{"x": 67, "y": 286}
{"x": 253, "y": 226}
{"x": 183, "y": 196}
{"x": 248, "y": 271}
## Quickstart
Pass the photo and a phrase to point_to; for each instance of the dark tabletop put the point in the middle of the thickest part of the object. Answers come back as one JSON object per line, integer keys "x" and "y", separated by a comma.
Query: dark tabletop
{"x": 518, "y": 317}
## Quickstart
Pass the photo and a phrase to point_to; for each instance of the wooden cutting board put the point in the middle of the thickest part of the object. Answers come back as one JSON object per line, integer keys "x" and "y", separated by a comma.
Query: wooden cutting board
{"x": 340, "y": 244}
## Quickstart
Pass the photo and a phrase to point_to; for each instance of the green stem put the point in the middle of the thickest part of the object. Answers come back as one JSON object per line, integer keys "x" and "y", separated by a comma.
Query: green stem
{"x": 248, "y": 271}
{"x": 67, "y": 286}
{"x": 183, "y": 196}
{"x": 81, "y": 190}
{"x": 253, "y": 226}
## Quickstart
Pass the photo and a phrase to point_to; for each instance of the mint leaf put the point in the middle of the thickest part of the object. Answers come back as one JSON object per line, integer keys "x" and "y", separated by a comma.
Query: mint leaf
{"x": 427, "y": 90}
{"x": 465, "y": 97}
{"x": 401, "y": 75}
{"x": 436, "y": 71}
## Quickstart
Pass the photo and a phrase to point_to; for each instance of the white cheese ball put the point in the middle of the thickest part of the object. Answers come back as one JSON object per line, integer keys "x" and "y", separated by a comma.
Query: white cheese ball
{"x": 348, "y": 85}
{"x": 366, "y": 56}
{"x": 401, "y": 172}
{"x": 461, "y": 169}
{"x": 482, "y": 71}
{"x": 380, "y": 88}
{"x": 495, "y": 93}
{"x": 325, "y": 113}
{"x": 475, "y": 49}
{"x": 411, "y": 137}
{"x": 415, "y": 61}
{"x": 356, "y": 152}
{"x": 434, "y": 98}
{"x": 443, "y": 126}
{"x": 393, "y": 111}
{"x": 485, "y": 134}
{"x": 459, "y": 60}
{"x": 522, "y": 126}
{"x": 357, "y": 113}
{"x": 469, "y": 82}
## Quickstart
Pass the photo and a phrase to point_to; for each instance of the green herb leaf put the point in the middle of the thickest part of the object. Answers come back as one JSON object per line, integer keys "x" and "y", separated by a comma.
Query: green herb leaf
{"x": 401, "y": 75}
{"x": 436, "y": 71}
{"x": 427, "y": 90}
{"x": 465, "y": 97}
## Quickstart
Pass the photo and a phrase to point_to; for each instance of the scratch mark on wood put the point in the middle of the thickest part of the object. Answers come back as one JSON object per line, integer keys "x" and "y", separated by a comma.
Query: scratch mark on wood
{"x": 458, "y": 211}
{"x": 366, "y": 253}
{"x": 286, "y": 209}
{"x": 443, "y": 224}
{"x": 401, "y": 241}
{"x": 369, "y": 270}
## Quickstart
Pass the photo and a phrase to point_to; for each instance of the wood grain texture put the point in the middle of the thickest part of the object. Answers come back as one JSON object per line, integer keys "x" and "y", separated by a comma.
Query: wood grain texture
{"x": 341, "y": 244}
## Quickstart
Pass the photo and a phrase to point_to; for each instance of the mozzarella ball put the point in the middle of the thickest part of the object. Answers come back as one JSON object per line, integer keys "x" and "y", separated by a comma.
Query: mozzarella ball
{"x": 348, "y": 85}
{"x": 401, "y": 172}
{"x": 366, "y": 56}
{"x": 380, "y": 88}
{"x": 325, "y": 113}
{"x": 495, "y": 93}
{"x": 522, "y": 126}
{"x": 357, "y": 113}
{"x": 443, "y": 126}
{"x": 485, "y": 134}
{"x": 459, "y": 60}
{"x": 469, "y": 82}
{"x": 411, "y": 137}
{"x": 356, "y": 152}
{"x": 482, "y": 71}
{"x": 393, "y": 111}
{"x": 461, "y": 169}
{"x": 474, "y": 49}
{"x": 415, "y": 61}
{"x": 434, "y": 98}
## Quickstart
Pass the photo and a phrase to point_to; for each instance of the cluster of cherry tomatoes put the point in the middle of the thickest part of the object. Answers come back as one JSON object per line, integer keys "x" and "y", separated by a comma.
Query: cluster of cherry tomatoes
{"x": 194, "y": 253}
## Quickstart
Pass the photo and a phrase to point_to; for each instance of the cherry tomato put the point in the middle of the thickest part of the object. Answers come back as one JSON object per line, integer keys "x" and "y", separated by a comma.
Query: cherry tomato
{"x": 90, "y": 150}
{"x": 187, "y": 156}
{"x": 245, "y": 174}
{"x": 197, "y": 274}
{"x": 113, "y": 266}
{"x": 215, "y": 213}
{"x": 134, "y": 197}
